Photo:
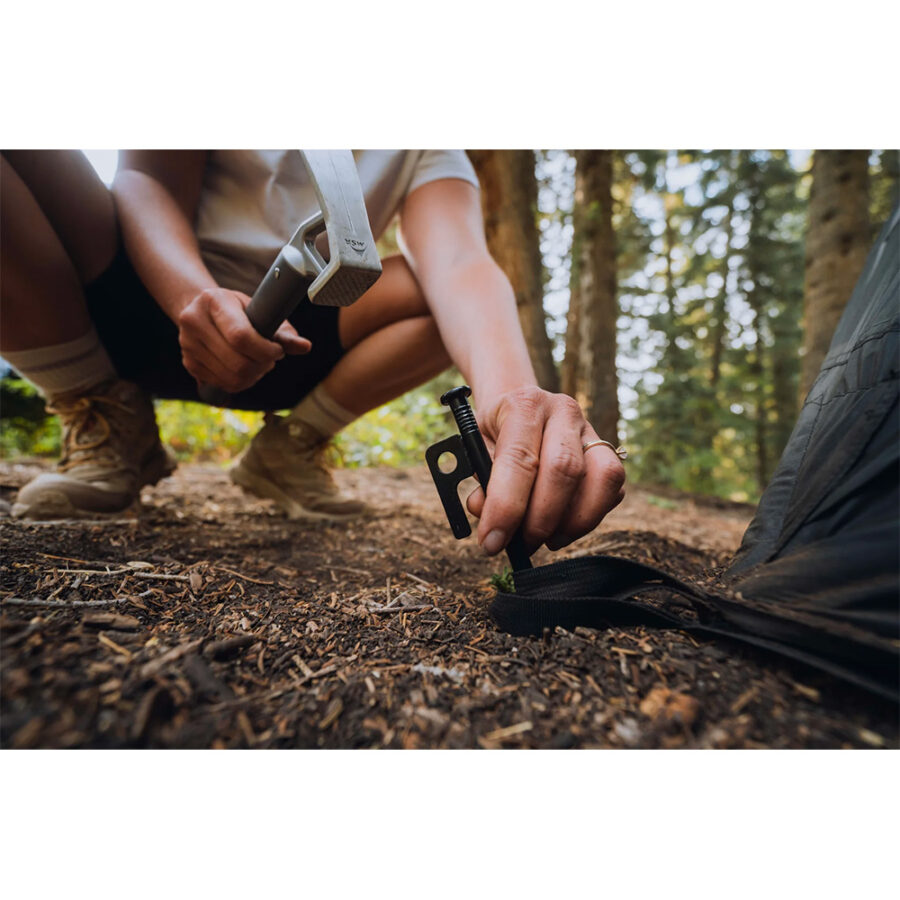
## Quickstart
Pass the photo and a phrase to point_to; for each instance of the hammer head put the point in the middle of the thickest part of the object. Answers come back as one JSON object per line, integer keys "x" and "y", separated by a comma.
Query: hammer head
{"x": 353, "y": 266}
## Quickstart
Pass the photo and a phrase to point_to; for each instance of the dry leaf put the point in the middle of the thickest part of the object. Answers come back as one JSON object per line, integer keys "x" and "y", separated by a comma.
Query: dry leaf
{"x": 670, "y": 706}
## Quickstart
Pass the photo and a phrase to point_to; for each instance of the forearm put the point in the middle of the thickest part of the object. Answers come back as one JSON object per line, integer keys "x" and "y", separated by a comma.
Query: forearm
{"x": 475, "y": 310}
{"x": 160, "y": 241}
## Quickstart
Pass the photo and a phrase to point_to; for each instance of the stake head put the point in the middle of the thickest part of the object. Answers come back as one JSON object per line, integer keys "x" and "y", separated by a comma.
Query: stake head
{"x": 456, "y": 394}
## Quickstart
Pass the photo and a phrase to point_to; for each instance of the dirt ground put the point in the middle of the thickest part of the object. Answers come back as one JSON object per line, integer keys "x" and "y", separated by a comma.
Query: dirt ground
{"x": 210, "y": 620}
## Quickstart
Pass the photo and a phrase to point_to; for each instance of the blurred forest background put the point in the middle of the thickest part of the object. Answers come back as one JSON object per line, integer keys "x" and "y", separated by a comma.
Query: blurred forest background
{"x": 685, "y": 298}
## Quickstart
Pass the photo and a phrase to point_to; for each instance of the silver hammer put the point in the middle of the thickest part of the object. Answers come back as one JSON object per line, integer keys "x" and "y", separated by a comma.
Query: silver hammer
{"x": 299, "y": 271}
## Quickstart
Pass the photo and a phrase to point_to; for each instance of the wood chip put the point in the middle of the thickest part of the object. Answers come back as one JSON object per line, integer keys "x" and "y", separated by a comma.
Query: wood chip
{"x": 157, "y": 665}
{"x": 243, "y": 721}
{"x": 230, "y": 647}
{"x": 114, "y": 646}
{"x": 744, "y": 699}
{"x": 510, "y": 731}
{"x": 809, "y": 692}
{"x": 156, "y": 705}
{"x": 872, "y": 738}
{"x": 204, "y": 679}
{"x": 111, "y": 620}
{"x": 331, "y": 716}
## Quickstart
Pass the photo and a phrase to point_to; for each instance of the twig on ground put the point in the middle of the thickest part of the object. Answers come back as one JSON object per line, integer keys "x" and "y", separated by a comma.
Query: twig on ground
{"x": 420, "y": 580}
{"x": 66, "y": 604}
{"x": 56, "y": 523}
{"x": 73, "y": 559}
{"x": 131, "y": 573}
{"x": 393, "y": 609}
{"x": 349, "y": 569}
{"x": 245, "y": 577}
{"x": 152, "y": 576}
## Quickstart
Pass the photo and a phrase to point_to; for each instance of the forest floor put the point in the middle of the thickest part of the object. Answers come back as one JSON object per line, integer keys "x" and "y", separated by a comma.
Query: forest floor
{"x": 223, "y": 624}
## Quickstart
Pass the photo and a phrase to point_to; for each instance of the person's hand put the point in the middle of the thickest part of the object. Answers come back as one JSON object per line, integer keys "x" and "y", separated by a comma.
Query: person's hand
{"x": 220, "y": 347}
{"x": 541, "y": 478}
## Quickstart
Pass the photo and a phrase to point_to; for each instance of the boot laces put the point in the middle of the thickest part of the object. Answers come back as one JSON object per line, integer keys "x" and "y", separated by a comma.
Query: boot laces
{"x": 79, "y": 417}
{"x": 308, "y": 448}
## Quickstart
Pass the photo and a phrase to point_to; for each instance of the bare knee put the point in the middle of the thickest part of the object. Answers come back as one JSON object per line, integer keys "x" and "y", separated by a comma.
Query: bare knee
{"x": 394, "y": 297}
{"x": 430, "y": 337}
{"x": 79, "y": 207}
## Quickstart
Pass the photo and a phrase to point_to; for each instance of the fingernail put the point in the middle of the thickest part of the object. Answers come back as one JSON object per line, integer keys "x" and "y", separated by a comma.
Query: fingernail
{"x": 494, "y": 542}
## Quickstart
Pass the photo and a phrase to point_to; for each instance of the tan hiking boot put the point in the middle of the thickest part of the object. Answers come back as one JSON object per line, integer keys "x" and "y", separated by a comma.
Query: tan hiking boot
{"x": 285, "y": 462}
{"x": 111, "y": 450}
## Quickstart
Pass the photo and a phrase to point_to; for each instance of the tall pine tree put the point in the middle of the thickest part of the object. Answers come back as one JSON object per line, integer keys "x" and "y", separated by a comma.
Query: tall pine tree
{"x": 590, "y": 364}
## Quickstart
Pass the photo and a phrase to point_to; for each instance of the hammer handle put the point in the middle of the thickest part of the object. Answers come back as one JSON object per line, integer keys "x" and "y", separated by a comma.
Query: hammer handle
{"x": 278, "y": 295}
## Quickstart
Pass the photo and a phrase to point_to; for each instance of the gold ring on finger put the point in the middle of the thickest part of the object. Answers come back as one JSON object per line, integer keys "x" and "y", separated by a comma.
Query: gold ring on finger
{"x": 621, "y": 452}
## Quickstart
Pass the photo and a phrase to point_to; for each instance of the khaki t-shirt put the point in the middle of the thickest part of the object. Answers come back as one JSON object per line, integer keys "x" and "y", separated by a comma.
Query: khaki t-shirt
{"x": 253, "y": 200}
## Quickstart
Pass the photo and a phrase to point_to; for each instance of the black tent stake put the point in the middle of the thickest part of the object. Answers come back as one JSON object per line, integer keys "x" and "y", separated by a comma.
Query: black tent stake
{"x": 472, "y": 458}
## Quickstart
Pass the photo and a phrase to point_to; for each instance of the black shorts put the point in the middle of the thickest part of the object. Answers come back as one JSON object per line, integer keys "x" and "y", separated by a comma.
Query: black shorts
{"x": 142, "y": 342}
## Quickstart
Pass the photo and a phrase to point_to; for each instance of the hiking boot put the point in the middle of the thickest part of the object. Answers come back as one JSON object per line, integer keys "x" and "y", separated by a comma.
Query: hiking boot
{"x": 111, "y": 450}
{"x": 285, "y": 462}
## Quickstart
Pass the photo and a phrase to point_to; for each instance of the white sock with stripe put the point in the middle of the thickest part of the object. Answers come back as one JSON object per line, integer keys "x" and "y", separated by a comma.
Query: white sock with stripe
{"x": 68, "y": 368}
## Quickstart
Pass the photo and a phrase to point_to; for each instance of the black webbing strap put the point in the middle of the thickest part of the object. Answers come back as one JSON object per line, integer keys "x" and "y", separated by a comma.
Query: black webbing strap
{"x": 607, "y": 591}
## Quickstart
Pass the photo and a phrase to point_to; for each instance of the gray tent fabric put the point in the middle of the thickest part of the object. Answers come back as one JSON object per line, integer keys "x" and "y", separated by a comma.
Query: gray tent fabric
{"x": 817, "y": 577}
{"x": 825, "y": 541}
{"x": 845, "y": 439}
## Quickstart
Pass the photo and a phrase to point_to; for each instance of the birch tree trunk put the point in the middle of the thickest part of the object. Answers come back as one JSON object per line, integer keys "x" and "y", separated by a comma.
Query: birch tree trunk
{"x": 836, "y": 246}
{"x": 509, "y": 202}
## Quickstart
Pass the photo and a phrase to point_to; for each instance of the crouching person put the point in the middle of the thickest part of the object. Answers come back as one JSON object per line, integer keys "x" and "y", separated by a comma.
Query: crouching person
{"x": 110, "y": 299}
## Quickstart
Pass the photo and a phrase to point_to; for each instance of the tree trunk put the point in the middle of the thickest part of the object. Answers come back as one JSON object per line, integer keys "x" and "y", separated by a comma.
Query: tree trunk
{"x": 836, "y": 246}
{"x": 720, "y": 326}
{"x": 594, "y": 289}
{"x": 509, "y": 202}
{"x": 570, "y": 381}
{"x": 784, "y": 389}
{"x": 757, "y": 370}
{"x": 756, "y": 364}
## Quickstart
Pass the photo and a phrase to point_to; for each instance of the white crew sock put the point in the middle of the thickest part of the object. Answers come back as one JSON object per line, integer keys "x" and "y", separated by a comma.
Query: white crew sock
{"x": 67, "y": 368}
{"x": 322, "y": 414}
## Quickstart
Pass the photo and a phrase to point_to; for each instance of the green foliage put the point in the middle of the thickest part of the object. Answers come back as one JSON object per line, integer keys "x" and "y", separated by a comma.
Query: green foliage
{"x": 503, "y": 581}
{"x": 25, "y": 427}
{"x": 398, "y": 433}
{"x": 205, "y": 433}
{"x": 711, "y": 298}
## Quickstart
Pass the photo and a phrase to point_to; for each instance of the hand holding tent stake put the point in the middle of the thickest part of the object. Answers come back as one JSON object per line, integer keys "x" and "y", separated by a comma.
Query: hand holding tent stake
{"x": 472, "y": 458}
